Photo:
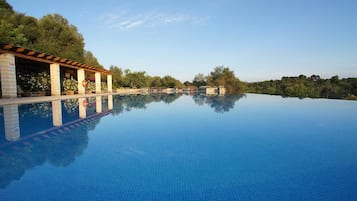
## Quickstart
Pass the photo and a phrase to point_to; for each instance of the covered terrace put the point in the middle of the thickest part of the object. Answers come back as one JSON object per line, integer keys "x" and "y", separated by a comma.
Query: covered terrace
{"x": 25, "y": 71}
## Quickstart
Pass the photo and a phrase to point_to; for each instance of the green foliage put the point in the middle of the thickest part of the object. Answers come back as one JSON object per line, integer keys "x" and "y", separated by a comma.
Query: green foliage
{"x": 223, "y": 76}
{"x": 51, "y": 34}
{"x": 302, "y": 86}
{"x": 91, "y": 60}
{"x": 187, "y": 83}
{"x": 5, "y": 10}
{"x": 58, "y": 37}
{"x": 34, "y": 81}
{"x": 165, "y": 82}
{"x": 155, "y": 81}
{"x": 9, "y": 33}
{"x": 70, "y": 84}
{"x": 140, "y": 79}
{"x": 220, "y": 76}
{"x": 29, "y": 28}
{"x": 117, "y": 76}
{"x": 5, "y": 6}
{"x": 170, "y": 82}
{"x": 199, "y": 80}
{"x": 135, "y": 79}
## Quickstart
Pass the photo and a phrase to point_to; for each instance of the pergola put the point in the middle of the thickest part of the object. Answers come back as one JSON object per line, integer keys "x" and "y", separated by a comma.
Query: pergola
{"x": 8, "y": 53}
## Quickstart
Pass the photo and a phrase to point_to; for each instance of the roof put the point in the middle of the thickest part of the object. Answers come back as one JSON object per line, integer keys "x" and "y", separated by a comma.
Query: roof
{"x": 47, "y": 58}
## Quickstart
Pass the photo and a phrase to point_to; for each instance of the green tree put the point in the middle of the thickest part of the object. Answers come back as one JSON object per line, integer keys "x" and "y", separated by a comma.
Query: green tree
{"x": 29, "y": 28}
{"x": 312, "y": 86}
{"x": 334, "y": 79}
{"x": 187, "y": 83}
{"x": 155, "y": 82}
{"x": 135, "y": 79}
{"x": 51, "y": 34}
{"x": 60, "y": 38}
{"x": 199, "y": 80}
{"x": 223, "y": 76}
{"x": 170, "y": 82}
{"x": 91, "y": 60}
{"x": 10, "y": 34}
{"x": 6, "y": 10}
{"x": 117, "y": 76}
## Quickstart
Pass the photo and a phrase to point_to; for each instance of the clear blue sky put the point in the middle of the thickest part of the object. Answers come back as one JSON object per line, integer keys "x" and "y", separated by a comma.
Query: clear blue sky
{"x": 258, "y": 39}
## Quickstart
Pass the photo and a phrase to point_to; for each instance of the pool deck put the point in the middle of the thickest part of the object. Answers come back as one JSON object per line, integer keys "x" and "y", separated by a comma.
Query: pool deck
{"x": 26, "y": 100}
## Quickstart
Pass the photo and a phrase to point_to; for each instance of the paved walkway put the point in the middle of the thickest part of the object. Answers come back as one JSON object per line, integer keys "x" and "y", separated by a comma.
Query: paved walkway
{"x": 25, "y": 100}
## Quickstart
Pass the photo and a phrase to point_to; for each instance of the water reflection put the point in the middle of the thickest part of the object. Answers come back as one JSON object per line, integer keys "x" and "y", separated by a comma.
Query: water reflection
{"x": 110, "y": 102}
{"x": 22, "y": 120}
{"x": 57, "y": 132}
{"x": 11, "y": 121}
{"x": 220, "y": 104}
{"x": 53, "y": 132}
{"x": 19, "y": 119}
{"x": 57, "y": 113}
{"x": 127, "y": 103}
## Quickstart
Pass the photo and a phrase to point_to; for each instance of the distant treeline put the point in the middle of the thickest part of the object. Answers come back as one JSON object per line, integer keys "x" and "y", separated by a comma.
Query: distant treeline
{"x": 312, "y": 87}
{"x": 139, "y": 79}
{"x": 219, "y": 76}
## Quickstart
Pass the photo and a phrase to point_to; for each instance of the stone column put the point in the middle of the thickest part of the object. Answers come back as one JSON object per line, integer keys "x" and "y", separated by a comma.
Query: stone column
{"x": 8, "y": 76}
{"x": 57, "y": 113}
{"x": 110, "y": 83}
{"x": 11, "y": 120}
{"x": 97, "y": 83}
{"x": 81, "y": 76}
{"x": 110, "y": 102}
{"x": 55, "y": 79}
{"x": 98, "y": 103}
{"x": 82, "y": 102}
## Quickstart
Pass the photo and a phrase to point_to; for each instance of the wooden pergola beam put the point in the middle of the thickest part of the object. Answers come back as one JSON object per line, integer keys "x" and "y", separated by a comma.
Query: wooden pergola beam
{"x": 20, "y": 49}
{"x": 49, "y": 57}
{"x": 8, "y": 46}
{"x": 41, "y": 55}
{"x": 32, "y": 55}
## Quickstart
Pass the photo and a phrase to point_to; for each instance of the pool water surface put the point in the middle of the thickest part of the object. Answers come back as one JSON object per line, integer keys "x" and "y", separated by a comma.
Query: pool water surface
{"x": 179, "y": 147}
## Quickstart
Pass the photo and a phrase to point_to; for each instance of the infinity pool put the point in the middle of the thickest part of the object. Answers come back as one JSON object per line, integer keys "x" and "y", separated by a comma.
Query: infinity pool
{"x": 179, "y": 147}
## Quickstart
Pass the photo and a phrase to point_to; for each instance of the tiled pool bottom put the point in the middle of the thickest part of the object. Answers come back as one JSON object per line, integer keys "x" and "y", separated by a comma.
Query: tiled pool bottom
{"x": 184, "y": 148}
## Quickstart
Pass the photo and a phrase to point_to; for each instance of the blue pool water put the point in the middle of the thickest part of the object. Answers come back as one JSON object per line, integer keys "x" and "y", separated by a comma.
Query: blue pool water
{"x": 170, "y": 147}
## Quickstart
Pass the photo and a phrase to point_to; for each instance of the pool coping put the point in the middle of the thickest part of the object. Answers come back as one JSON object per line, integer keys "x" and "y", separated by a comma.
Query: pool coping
{"x": 25, "y": 100}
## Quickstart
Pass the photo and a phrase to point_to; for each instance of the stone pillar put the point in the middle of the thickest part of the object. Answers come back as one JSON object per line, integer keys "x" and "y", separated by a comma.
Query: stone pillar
{"x": 97, "y": 83}
{"x": 55, "y": 79}
{"x": 82, "y": 102}
{"x": 98, "y": 103}
{"x": 11, "y": 120}
{"x": 81, "y": 76}
{"x": 8, "y": 76}
{"x": 57, "y": 113}
{"x": 110, "y": 102}
{"x": 110, "y": 83}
